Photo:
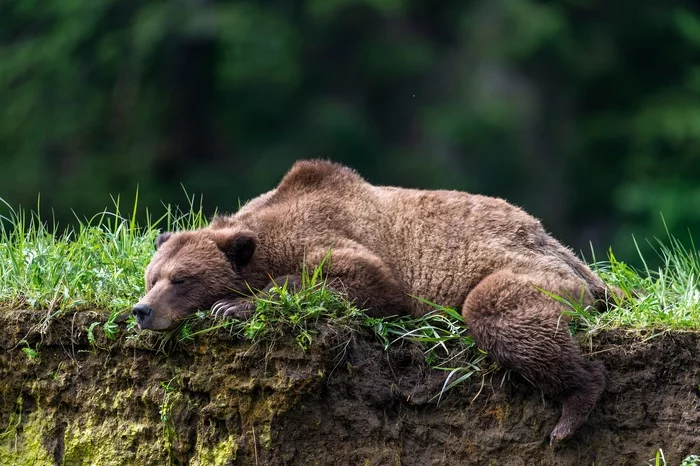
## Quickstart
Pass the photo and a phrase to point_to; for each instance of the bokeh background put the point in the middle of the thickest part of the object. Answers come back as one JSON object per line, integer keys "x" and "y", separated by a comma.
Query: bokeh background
{"x": 585, "y": 112}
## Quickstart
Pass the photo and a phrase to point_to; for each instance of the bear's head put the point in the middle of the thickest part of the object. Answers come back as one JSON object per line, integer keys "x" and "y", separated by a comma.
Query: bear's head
{"x": 192, "y": 270}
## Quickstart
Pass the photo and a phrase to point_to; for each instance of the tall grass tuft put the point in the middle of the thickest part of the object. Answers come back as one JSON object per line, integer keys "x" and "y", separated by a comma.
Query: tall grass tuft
{"x": 98, "y": 263}
{"x": 667, "y": 297}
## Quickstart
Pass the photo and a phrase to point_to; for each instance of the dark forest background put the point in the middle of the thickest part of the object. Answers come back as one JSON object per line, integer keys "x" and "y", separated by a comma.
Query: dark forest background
{"x": 586, "y": 113}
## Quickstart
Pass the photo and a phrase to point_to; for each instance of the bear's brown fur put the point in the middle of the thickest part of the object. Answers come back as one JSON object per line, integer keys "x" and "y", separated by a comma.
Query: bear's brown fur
{"x": 476, "y": 253}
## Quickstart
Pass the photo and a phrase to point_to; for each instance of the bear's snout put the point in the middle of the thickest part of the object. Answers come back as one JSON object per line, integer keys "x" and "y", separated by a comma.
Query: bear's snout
{"x": 142, "y": 313}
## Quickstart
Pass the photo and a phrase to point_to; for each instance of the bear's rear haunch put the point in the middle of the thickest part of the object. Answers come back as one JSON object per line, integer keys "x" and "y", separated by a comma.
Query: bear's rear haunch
{"x": 475, "y": 253}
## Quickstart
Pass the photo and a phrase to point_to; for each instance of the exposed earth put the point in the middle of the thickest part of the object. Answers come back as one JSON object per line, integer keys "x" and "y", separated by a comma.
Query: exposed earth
{"x": 221, "y": 400}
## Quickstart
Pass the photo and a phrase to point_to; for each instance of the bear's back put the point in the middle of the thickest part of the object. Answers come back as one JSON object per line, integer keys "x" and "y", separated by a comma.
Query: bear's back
{"x": 439, "y": 243}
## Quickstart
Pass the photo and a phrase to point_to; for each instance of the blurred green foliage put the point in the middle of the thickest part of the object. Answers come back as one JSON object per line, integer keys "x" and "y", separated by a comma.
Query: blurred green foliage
{"x": 587, "y": 113}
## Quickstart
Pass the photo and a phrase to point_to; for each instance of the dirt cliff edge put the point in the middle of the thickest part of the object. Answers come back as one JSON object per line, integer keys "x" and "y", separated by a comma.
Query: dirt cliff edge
{"x": 65, "y": 399}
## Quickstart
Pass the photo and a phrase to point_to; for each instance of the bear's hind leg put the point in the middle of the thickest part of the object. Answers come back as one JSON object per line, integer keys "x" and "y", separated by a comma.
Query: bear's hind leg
{"x": 523, "y": 329}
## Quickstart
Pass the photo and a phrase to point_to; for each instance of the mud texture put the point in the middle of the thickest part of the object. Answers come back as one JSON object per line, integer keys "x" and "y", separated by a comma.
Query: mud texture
{"x": 221, "y": 400}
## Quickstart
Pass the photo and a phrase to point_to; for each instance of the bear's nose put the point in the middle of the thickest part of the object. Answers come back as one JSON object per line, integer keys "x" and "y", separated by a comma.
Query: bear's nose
{"x": 141, "y": 311}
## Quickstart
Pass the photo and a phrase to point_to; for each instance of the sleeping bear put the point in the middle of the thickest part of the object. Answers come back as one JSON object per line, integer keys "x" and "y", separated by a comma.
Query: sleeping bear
{"x": 388, "y": 246}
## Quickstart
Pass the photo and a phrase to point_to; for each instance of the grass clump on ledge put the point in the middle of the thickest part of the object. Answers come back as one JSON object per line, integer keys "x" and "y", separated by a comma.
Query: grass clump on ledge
{"x": 667, "y": 297}
{"x": 99, "y": 264}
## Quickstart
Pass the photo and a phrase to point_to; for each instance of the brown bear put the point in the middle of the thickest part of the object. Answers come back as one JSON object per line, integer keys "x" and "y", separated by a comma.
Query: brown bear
{"x": 389, "y": 245}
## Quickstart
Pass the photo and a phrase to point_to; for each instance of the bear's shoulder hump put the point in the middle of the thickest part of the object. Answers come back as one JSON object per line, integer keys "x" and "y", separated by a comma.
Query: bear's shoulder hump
{"x": 316, "y": 174}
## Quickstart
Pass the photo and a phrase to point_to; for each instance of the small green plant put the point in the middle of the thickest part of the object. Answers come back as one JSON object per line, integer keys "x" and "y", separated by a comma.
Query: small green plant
{"x": 57, "y": 371}
{"x": 31, "y": 353}
{"x": 186, "y": 331}
{"x": 659, "y": 459}
{"x": 170, "y": 396}
{"x": 110, "y": 327}
{"x": 91, "y": 334}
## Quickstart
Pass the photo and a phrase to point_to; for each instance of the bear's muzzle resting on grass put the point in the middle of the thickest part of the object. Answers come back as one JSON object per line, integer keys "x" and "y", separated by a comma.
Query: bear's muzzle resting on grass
{"x": 477, "y": 253}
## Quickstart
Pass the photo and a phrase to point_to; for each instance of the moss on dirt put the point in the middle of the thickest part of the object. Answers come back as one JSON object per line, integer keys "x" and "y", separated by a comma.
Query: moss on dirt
{"x": 109, "y": 441}
{"x": 22, "y": 442}
{"x": 216, "y": 454}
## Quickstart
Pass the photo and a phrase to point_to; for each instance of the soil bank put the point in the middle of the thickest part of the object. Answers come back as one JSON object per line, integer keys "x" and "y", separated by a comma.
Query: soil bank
{"x": 220, "y": 400}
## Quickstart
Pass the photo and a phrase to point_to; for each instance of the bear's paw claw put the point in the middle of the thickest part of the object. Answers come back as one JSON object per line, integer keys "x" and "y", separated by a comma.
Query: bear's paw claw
{"x": 238, "y": 308}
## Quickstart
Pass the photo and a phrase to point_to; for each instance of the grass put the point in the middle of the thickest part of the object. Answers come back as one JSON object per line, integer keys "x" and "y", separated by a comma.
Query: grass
{"x": 660, "y": 460}
{"x": 667, "y": 297}
{"x": 281, "y": 313}
{"x": 99, "y": 263}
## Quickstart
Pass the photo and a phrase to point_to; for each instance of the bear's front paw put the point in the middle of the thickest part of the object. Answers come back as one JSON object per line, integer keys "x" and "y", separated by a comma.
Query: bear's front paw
{"x": 240, "y": 308}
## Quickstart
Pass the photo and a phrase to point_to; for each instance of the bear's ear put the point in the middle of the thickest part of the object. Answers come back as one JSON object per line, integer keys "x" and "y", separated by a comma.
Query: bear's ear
{"x": 162, "y": 238}
{"x": 238, "y": 245}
